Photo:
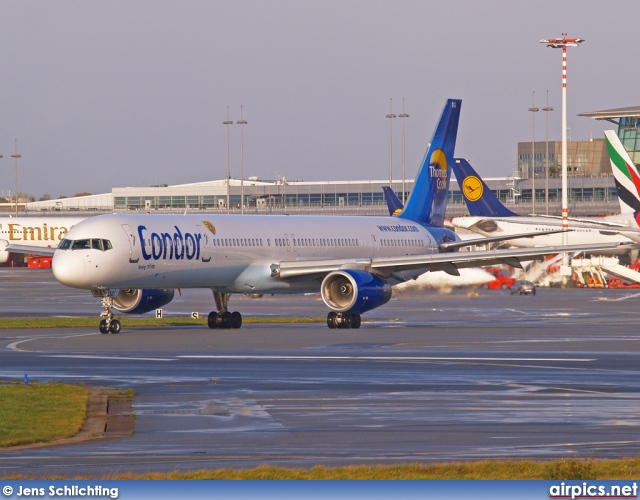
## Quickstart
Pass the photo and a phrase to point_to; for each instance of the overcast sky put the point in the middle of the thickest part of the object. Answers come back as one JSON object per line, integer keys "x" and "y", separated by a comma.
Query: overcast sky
{"x": 106, "y": 94}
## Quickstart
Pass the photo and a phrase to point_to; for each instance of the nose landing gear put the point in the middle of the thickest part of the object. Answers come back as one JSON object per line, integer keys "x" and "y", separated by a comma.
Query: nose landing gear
{"x": 108, "y": 324}
{"x": 223, "y": 319}
{"x": 343, "y": 320}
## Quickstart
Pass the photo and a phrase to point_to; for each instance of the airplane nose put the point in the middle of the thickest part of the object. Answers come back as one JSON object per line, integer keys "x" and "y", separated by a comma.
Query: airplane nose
{"x": 68, "y": 268}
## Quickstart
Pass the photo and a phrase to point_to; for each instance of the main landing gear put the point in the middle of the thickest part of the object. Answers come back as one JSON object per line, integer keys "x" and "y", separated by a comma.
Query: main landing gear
{"x": 108, "y": 324}
{"x": 343, "y": 320}
{"x": 223, "y": 319}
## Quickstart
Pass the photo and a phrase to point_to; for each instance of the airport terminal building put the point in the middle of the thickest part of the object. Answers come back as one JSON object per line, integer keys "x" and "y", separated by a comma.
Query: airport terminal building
{"x": 591, "y": 186}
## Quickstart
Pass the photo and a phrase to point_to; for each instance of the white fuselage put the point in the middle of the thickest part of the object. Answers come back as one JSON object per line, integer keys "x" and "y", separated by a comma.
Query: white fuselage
{"x": 36, "y": 231}
{"x": 580, "y": 233}
{"x": 227, "y": 253}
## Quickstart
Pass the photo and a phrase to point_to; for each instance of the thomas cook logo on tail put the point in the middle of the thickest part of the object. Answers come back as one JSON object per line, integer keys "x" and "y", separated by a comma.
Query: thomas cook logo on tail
{"x": 396, "y": 212}
{"x": 209, "y": 226}
{"x": 472, "y": 188}
{"x": 438, "y": 169}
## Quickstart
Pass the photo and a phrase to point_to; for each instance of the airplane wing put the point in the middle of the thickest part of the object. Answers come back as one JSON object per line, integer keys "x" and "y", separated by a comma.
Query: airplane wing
{"x": 30, "y": 249}
{"x": 448, "y": 262}
{"x": 491, "y": 239}
{"x": 594, "y": 222}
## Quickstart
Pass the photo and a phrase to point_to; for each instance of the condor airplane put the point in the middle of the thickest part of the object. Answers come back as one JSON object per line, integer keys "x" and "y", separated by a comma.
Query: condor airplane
{"x": 32, "y": 234}
{"x": 352, "y": 261}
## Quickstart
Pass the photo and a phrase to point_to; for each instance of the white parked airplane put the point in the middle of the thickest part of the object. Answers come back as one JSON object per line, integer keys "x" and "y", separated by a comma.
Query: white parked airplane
{"x": 32, "y": 234}
{"x": 352, "y": 261}
{"x": 490, "y": 217}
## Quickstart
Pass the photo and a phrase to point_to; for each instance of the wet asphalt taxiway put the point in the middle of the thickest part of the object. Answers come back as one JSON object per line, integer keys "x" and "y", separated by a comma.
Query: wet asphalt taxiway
{"x": 428, "y": 377}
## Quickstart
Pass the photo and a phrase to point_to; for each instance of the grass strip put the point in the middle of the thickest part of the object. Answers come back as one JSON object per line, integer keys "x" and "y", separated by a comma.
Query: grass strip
{"x": 79, "y": 322}
{"x": 574, "y": 469}
{"x": 571, "y": 469}
{"x": 40, "y": 412}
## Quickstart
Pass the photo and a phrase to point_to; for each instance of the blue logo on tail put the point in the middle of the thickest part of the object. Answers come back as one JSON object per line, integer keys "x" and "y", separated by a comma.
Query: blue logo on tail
{"x": 393, "y": 202}
{"x": 428, "y": 200}
{"x": 480, "y": 200}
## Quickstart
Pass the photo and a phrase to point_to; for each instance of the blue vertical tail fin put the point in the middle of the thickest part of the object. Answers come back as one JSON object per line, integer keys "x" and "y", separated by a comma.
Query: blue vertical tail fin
{"x": 393, "y": 202}
{"x": 428, "y": 199}
{"x": 479, "y": 198}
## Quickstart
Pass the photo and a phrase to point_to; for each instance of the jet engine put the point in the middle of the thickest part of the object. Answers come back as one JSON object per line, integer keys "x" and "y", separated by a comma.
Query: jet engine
{"x": 137, "y": 301}
{"x": 350, "y": 291}
{"x": 4, "y": 255}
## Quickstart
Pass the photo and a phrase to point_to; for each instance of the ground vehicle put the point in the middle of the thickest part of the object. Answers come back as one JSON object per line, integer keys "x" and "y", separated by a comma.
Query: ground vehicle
{"x": 501, "y": 281}
{"x": 523, "y": 286}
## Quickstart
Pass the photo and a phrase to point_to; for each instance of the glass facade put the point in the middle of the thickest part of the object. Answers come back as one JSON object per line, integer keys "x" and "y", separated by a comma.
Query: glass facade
{"x": 365, "y": 197}
{"x": 584, "y": 158}
{"x": 629, "y": 133}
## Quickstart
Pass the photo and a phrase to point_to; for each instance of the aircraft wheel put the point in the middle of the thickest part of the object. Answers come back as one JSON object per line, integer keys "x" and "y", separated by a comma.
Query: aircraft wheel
{"x": 347, "y": 321}
{"x": 224, "y": 320}
{"x": 212, "y": 319}
{"x": 356, "y": 321}
{"x": 236, "y": 319}
{"x": 115, "y": 326}
{"x": 331, "y": 320}
{"x": 103, "y": 326}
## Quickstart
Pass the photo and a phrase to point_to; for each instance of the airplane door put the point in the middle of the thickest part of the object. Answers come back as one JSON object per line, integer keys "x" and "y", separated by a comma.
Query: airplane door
{"x": 205, "y": 245}
{"x": 134, "y": 244}
{"x": 287, "y": 242}
{"x": 293, "y": 242}
{"x": 375, "y": 245}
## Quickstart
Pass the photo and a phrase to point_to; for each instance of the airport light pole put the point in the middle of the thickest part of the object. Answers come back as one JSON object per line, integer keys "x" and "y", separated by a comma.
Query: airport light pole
{"x": 533, "y": 110}
{"x": 228, "y": 122}
{"x": 242, "y": 123}
{"x": 546, "y": 154}
{"x": 403, "y": 115}
{"x": 563, "y": 43}
{"x": 16, "y": 156}
{"x": 391, "y": 116}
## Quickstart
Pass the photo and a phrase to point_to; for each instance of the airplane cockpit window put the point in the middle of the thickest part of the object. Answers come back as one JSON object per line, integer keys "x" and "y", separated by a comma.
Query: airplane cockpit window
{"x": 81, "y": 245}
{"x": 96, "y": 244}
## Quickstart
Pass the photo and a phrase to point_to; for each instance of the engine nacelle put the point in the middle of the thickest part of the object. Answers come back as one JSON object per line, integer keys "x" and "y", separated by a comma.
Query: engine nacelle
{"x": 136, "y": 301}
{"x": 354, "y": 291}
{"x": 4, "y": 255}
